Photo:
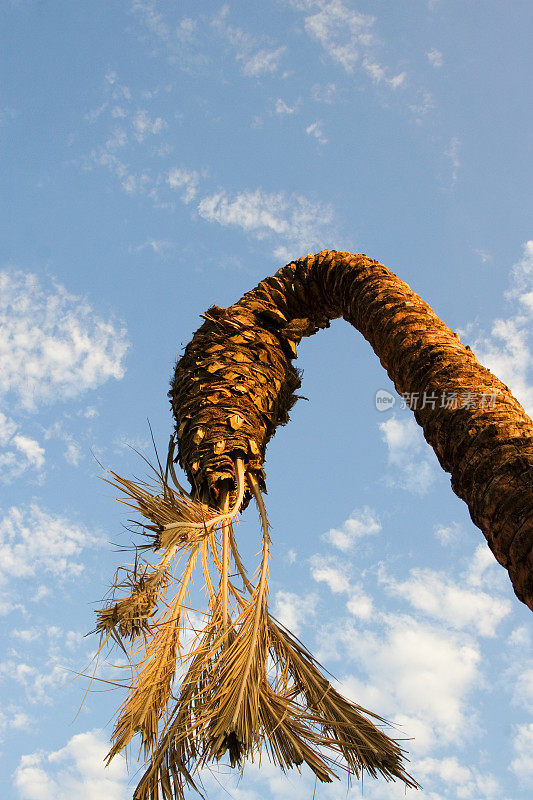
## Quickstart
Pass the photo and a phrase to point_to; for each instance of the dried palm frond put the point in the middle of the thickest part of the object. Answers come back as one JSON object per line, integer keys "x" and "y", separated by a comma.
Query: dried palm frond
{"x": 248, "y": 683}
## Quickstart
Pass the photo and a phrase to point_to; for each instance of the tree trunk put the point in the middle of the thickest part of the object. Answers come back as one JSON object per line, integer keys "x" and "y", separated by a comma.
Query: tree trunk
{"x": 235, "y": 384}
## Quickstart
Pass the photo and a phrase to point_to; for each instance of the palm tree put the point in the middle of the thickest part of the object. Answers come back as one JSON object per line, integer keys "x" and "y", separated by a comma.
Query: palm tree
{"x": 247, "y": 680}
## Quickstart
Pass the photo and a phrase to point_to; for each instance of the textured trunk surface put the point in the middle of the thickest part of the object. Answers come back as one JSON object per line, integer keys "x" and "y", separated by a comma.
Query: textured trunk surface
{"x": 235, "y": 384}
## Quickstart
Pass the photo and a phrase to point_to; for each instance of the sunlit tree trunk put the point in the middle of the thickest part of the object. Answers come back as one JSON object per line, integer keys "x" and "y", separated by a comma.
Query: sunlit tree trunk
{"x": 235, "y": 384}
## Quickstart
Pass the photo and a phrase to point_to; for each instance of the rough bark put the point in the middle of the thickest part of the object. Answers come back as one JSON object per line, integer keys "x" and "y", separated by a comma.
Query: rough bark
{"x": 236, "y": 383}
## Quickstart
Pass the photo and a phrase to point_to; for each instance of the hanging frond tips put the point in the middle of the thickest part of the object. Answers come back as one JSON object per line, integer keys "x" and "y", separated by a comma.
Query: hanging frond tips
{"x": 247, "y": 685}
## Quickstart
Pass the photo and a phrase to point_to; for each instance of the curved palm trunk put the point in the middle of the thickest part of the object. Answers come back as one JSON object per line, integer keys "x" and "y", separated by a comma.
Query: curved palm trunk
{"x": 235, "y": 384}
{"x": 249, "y": 683}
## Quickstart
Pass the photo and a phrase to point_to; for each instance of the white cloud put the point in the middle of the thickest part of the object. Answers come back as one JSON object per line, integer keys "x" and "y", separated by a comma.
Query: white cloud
{"x": 324, "y": 94}
{"x": 442, "y": 598}
{"x": 416, "y": 671}
{"x": 8, "y": 428}
{"x": 435, "y": 58}
{"x": 31, "y": 449}
{"x": 379, "y": 74}
{"x": 153, "y": 20}
{"x": 254, "y": 64}
{"x": 158, "y": 246}
{"x": 452, "y": 151}
{"x": 185, "y": 179}
{"x": 301, "y": 223}
{"x": 507, "y": 351}
{"x": 117, "y": 139}
{"x": 39, "y": 684}
{"x": 26, "y": 634}
{"x": 467, "y": 783}
{"x": 328, "y": 570}
{"x": 76, "y": 770}
{"x": 12, "y": 718}
{"x": 29, "y": 455}
{"x": 484, "y": 255}
{"x": 424, "y": 103}
{"x": 411, "y": 465}
{"x": 7, "y": 605}
{"x": 520, "y": 637}
{"x": 315, "y": 130}
{"x": 72, "y": 452}
{"x": 263, "y": 62}
{"x": 186, "y": 29}
{"x": 33, "y": 541}
{"x": 522, "y": 683}
{"x": 294, "y": 611}
{"x": 446, "y": 534}
{"x": 522, "y": 764}
{"x": 291, "y": 556}
{"x": 283, "y": 108}
{"x": 361, "y": 522}
{"x": 53, "y": 346}
{"x": 522, "y": 279}
{"x": 341, "y": 31}
{"x": 143, "y": 126}
{"x": 484, "y": 568}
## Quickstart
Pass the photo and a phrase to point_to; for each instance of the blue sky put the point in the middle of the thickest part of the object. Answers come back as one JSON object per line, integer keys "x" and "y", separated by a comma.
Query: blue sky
{"x": 162, "y": 156}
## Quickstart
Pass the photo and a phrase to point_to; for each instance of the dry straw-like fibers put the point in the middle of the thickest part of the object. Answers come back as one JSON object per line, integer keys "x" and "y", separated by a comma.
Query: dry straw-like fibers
{"x": 231, "y": 683}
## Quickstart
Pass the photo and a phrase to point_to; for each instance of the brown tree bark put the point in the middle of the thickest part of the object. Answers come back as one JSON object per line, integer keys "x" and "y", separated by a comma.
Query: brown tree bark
{"x": 235, "y": 384}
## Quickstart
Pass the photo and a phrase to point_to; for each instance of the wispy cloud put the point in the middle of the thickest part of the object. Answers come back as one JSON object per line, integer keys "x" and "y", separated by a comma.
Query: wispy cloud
{"x": 340, "y": 30}
{"x": 263, "y": 62}
{"x": 421, "y": 673}
{"x": 347, "y": 36}
{"x": 458, "y": 605}
{"x": 315, "y": 130}
{"x": 34, "y": 541}
{"x": 447, "y": 534}
{"x": 294, "y": 611}
{"x": 422, "y": 105}
{"x": 20, "y": 452}
{"x": 360, "y": 523}
{"x": 507, "y": 351}
{"x": 522, "y": 763}
{"x": 283, "y": 108}
{"x": 324, "y": 93}
{"x": 334, "y": 573}
{"x": 72, "y": 452}
{"x": 143, "y": 126}
{"x": 76, "y": 770}
{"x": 294, "y": 220}
{"x": 452, "y": 152}
{"x": 411, "y": 464}
{"x": 186, "y": 180}
{"x": 465, "y": 782}
{"x": 435, "y": 58}
{"x": 54, "y": 345}
{"x": 378, "y": 73}
{"x": 158, "y": 246}
{"x": 255, "y": 59}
